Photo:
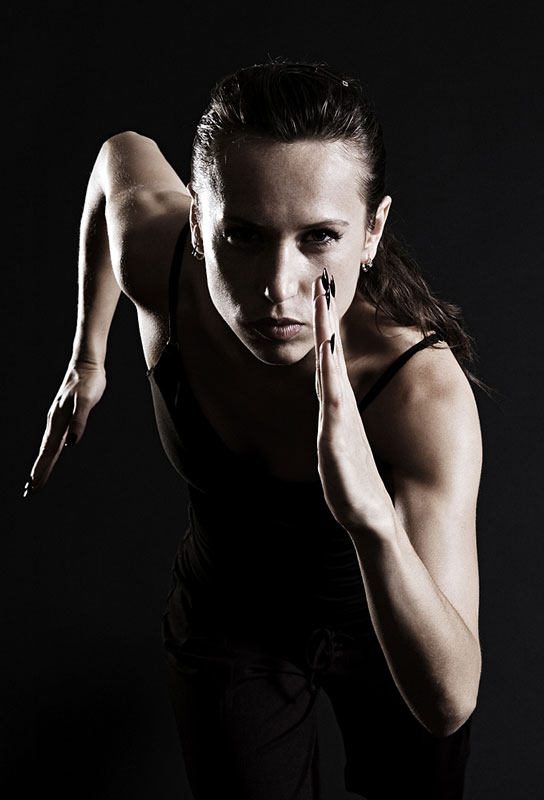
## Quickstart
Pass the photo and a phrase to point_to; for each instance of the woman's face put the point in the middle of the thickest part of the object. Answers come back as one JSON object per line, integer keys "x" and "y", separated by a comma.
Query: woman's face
{"x": 279, "y": 214}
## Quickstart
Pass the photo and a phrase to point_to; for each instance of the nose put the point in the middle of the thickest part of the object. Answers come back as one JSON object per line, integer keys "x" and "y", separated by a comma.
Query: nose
{"x": 283, "y": 272}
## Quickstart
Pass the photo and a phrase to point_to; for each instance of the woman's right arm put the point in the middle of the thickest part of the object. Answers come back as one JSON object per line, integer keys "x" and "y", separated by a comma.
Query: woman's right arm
{"x": 129, "y": 167}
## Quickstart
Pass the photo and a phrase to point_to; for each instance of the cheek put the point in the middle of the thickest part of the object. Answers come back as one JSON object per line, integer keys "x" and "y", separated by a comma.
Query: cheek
{"x": 224, "y": 286}
{"x": 233, "y": 273}
{"x": 345, "y": 280}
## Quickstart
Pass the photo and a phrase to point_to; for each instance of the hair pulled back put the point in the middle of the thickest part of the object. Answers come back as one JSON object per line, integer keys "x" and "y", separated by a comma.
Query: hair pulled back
{"x": 285, "y": 101}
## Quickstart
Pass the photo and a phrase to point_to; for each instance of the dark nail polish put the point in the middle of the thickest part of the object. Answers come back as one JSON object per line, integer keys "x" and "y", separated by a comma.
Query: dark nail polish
{"x": 333, "y": 287}
{"x": 332, "y": 342}
{"x": 328, "y": 298}
{"x": 71, "y": 439}
{"x": 29, "y": 486}
{"x": 325, "y": 280}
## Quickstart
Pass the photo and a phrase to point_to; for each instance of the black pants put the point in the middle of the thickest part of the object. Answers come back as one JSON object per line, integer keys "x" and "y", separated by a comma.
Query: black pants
{"x": 248, "y": 725}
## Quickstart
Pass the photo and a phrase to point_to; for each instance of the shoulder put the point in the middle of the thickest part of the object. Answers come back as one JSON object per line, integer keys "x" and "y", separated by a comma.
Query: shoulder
{"x": 424, "y": 424}
{"x": 147, "y": 204}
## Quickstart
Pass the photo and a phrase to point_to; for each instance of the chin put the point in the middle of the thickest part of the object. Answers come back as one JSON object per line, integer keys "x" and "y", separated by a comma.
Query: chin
{"x": 277, "y": 355}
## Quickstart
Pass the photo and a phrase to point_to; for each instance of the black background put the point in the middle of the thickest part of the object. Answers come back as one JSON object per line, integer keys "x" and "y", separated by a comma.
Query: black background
{"x": 86, "y": 562}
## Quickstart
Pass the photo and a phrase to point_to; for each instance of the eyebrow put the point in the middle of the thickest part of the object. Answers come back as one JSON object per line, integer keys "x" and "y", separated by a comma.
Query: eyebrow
{"x": 323, "y": 223}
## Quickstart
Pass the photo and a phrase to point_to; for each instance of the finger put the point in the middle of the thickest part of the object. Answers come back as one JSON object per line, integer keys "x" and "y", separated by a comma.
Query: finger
{"x": 331, "y": 385}
{"x": 317, "y": 379}
{"x": 321, "y": 327}
{"x": 315, "y": 291}
{"x": 316, "y": 344}
{"x": 338, "y": 343}
{"x": 52, "y": 442}
{"x": 322, "y": 322}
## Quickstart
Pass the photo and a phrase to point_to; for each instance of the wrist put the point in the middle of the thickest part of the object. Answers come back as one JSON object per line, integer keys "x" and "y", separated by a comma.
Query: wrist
{"x": 89, "y": 351}
{"x": 85, "y": 359}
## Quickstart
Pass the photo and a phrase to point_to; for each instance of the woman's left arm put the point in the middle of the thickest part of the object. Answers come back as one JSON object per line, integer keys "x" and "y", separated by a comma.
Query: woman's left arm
{"x": 417, "y": 552}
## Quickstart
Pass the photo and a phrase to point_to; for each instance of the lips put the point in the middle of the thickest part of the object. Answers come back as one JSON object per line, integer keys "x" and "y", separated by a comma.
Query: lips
{"x": 278, "y": 321}
{"x": 281, "y": 328}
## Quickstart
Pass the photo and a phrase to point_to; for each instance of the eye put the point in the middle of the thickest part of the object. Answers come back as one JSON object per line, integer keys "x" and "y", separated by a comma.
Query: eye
{"x": 239, "y": 235}
{"x": 324, "y": 236}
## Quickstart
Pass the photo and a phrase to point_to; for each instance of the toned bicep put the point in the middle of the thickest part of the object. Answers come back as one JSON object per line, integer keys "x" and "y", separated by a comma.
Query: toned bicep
{"x": 146, "y": 205}
{"x": 435, "y": 480}
{"x": 142, "y": 249}
{"x": 144, "y": 198}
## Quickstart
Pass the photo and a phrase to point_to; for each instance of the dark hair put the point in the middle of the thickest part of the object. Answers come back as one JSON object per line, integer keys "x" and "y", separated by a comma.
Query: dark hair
{"x": 285, "y": 101}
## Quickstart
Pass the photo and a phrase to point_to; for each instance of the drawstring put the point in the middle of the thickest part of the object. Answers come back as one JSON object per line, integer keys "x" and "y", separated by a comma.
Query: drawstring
{"x": 329, "y": 645}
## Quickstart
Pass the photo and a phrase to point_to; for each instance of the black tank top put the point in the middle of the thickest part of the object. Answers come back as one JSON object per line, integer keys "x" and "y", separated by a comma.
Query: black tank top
{"x": 259, "y": 551}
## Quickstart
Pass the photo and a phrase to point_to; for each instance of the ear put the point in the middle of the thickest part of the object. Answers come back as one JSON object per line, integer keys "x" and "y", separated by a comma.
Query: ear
{"x": 192, "y": 191}
{"x": 194, "y": 216}
{"x": 373, "y": 236}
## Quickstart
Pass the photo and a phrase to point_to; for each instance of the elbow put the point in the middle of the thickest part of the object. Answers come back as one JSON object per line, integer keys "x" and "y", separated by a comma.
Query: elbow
{"x": 459, "y": 704}
{"x": 450, "y": 725}
{"x": 449, "y": 722}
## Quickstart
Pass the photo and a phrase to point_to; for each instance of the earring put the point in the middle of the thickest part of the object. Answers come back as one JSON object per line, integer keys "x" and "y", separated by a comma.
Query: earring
{"x": 367, "y": 266}
{"x": 196, "y": 254}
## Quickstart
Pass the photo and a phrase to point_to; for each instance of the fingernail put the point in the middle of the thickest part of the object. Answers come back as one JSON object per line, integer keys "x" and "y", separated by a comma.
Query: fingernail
{"x": 71, "y": 439}
{"x": 325, "y": 280}
{"x": 29, "y": 487}
{"x": 328, "y": 298}
{"x": 332, "y": 342}
{"x": 333, "y": 287}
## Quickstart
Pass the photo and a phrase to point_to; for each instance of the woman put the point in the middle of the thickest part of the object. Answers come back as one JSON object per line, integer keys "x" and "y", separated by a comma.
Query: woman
{"x": 306, "y": 386}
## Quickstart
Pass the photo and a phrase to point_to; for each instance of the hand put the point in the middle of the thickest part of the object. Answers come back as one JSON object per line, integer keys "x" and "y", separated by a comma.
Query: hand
{"x": 80, "y": 391}
{"x": 352, "y": 485}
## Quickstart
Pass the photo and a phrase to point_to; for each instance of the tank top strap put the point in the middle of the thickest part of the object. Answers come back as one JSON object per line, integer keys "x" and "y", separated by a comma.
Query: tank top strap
{"x": 173, "y": 285}
{"x": 392, "y": 370}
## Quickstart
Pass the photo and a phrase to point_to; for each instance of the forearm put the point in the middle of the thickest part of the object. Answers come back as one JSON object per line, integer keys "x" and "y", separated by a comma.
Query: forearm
{"x": 98, "y": 290}
{"x": 433, "y": 657}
